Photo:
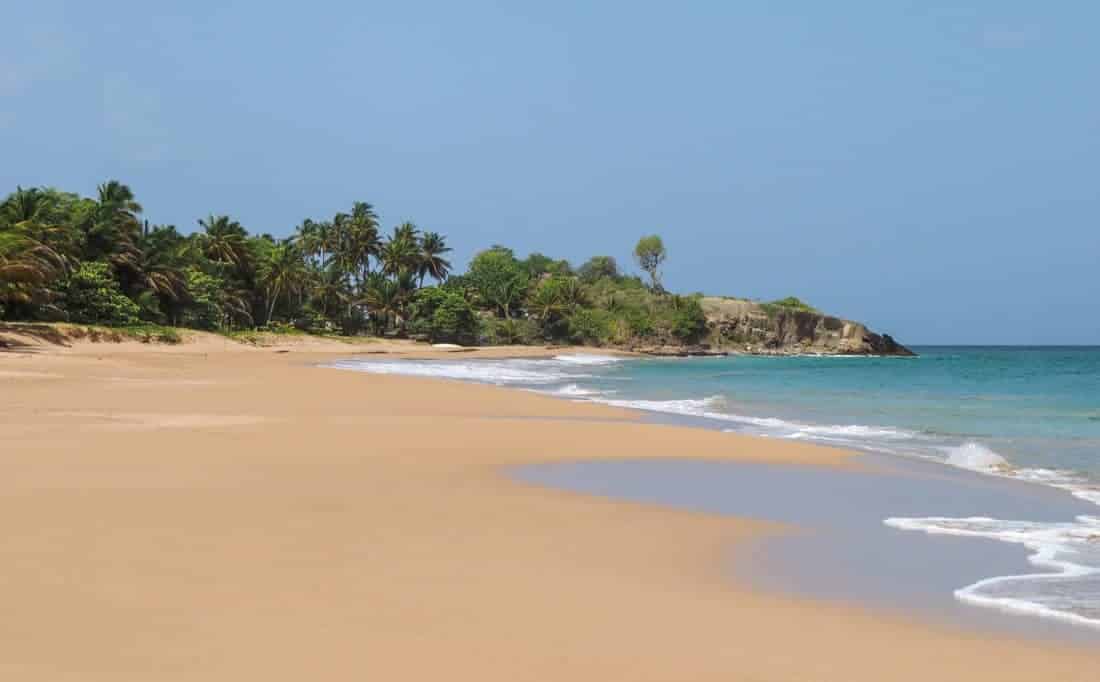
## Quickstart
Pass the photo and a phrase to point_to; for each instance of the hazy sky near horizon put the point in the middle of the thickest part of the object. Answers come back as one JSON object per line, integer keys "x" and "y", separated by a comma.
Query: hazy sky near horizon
{"x": 931, "y": 170}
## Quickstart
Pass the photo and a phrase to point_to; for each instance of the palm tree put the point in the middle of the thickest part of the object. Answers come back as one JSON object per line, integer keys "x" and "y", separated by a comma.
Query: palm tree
{"x": 432, "y": 247}
{"x": 159, "y": 275}
{"x": 400, "y": 253}
{"x": 23, "y": 205}
{"x": 114, "y": 227}
{"x": 28, "y": 211}
{"x": 573, "y": 293}
{"x": 224, "y": 241}
{"x": 406, "y": 230}
{"x": 328, "y": 290}
{"x": 363, "y": 242}
{"x": 284, "y": 272}
{"x": 307, "y": 236}
{"x": 546, "y": 301}
{"x": 383, "y": 298}
{"x": 26, "y": 266}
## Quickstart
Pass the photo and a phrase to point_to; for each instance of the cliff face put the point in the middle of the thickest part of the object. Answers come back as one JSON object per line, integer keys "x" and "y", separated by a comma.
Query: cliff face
{"x": 738, "y": 325}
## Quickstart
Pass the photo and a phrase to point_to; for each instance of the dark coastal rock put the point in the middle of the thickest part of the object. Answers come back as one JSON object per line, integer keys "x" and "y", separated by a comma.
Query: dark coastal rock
{"x": 680, "y": 351}
{"x": 742, "y": 326}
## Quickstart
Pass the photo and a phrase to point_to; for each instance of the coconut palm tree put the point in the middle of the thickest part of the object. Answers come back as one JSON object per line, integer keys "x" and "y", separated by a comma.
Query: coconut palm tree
{"x": 400, "y": 253}
{"x": 328, "y": 290}
{"x": 283, "y": 273}
{"x": 30, "y": 212}
{"x": 546, "y": 302}
{"x": 224, "y": 241}
{"x": 383, "y": 298}
{"x": 307, "y": 236}
{"x": 406, "y": 230}
{"x": 432, "y": 247}
{"x": 22, "y": 205}
{"x": 362, "y": 242}
{"x": 573, "y": 293}
{"x": 157, "y": 272}
{"x": 113, "y": 229}
{"x": 26, "y": 266}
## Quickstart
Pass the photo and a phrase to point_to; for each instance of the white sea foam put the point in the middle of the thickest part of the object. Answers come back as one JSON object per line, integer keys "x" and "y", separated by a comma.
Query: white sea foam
{"x": 1069, "y": 587}
{"x": 691, "y": 407}
{"x": 712, "y": 408}
{"x": 573, "y": 391}
{"x": 587, "y": 359}
{"x": 976, "y": 457}
{"x": 851, "y": 431}
{"x": 517, "y": 372}
{"x": 1069, "y": 590}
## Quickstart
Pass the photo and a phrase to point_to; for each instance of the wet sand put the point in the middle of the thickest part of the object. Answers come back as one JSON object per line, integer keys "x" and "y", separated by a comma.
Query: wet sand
{"x": 847, "y": 554}
{"x": 230, "y": 515}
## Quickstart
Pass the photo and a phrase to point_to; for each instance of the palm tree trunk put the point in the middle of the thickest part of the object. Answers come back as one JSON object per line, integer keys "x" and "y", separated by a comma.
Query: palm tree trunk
{"x": 271, "y": 310}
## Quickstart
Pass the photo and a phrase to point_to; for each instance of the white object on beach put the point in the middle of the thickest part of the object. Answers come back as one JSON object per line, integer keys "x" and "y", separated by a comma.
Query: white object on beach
{"x": 447, "y": 346}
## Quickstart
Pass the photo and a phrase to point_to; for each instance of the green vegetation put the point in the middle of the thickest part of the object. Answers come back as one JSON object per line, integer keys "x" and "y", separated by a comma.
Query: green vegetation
{"x": 94, "y": 261}
{"x": 650, "y": 253}
{"x": 789, "y": 303}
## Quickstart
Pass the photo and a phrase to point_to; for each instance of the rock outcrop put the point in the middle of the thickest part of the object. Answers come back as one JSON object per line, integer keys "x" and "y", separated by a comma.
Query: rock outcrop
{"x": 740, "y": 326}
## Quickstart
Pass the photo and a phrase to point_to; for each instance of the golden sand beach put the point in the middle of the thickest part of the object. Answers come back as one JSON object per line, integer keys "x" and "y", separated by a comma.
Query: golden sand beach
{"x": 215, "y": 512}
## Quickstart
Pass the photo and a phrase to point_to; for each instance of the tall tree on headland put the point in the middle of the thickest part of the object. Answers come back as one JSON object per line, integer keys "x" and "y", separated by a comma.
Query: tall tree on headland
{"x": 650, "y": 253}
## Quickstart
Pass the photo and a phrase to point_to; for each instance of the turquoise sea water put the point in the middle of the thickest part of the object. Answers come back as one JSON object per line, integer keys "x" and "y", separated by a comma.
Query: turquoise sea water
{"x": 1030, "y": 414}
{"x": 1035, "y": 407}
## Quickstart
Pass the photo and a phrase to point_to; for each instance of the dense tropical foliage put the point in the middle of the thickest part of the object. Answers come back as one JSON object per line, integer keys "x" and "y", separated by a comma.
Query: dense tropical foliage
{"x": 94, "y": 260}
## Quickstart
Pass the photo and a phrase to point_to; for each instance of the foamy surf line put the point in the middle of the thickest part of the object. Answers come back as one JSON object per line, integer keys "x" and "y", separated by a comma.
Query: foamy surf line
{"x": 560, "y": 369}
{"x": 710, "y": 408}
{"x": 1070, "y": 588}
{"x": 1070, "y": 551}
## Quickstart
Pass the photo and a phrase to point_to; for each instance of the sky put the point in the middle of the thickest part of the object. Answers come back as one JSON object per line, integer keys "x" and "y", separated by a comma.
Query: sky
{"x": 929, "y": 169}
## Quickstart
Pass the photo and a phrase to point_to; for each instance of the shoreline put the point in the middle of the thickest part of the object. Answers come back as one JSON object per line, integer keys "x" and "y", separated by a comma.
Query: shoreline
{"x": 230, "y": 515}
{"x": 1049, "y": 543}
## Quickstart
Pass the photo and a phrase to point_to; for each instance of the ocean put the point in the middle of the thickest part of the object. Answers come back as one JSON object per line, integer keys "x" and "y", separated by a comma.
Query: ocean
{"x": 1030, "y": 414}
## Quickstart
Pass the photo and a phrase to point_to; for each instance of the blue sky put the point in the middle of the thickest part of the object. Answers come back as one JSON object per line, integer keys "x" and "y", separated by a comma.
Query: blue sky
{"x": 932, "y": 170}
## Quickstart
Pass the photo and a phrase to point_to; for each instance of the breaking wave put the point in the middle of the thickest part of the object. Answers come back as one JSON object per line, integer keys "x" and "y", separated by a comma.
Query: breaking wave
{"x": 512, "y": 371}
{"x": 1068, "y": 587}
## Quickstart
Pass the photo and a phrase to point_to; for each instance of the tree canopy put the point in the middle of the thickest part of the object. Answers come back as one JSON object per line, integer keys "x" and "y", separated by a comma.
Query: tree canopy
{"x": 650, "y": 253}
{"x": 98, "y": 260}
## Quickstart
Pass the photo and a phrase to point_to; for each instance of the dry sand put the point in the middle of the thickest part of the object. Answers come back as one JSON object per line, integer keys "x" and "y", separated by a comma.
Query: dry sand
{"x": 220, "y": 513}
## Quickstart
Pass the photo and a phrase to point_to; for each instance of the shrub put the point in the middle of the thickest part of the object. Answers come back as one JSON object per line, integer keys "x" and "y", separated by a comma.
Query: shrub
{"x": 205, "y": 311}
{"x": 149, "y": 308}
{"x": 687, "y": 321}
{"x": 453, "y": 321}
{"x": 508, "y": 332}
{"x": 597, "y": 268}
{"x": 639, "y": 322}
{"x": 152, "y": 333}
{"x": 311, "y": 320}
{"x": 589, "y": 325}
{"x": 788, "y": 303}
{"x": 443, "y": 315}
{"x": 93, "y": 296}
{"x": 499, "y": 280}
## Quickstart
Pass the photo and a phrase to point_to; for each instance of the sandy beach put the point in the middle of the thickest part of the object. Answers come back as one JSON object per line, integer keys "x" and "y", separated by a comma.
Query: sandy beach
{"x": 213, "y": 511}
